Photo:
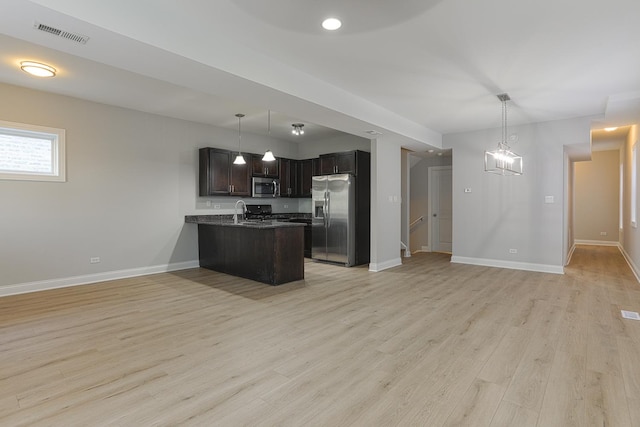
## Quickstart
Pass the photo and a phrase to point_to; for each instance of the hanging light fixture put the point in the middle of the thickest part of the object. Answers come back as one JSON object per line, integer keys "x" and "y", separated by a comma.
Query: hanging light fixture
{"x": 297, "y": 129}
{"x": 239, "y": 159}
{"x": 503, "y": 161}
{"x": 268, "y": 155}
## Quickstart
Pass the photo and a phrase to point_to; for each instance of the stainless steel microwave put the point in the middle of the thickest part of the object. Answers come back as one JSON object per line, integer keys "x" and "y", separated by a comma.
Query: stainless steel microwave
{"x": 265, "y": 187}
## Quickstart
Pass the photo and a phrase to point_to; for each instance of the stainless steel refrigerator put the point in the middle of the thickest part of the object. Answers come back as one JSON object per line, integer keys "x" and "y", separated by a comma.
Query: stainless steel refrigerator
{"x": 333, "y": 227}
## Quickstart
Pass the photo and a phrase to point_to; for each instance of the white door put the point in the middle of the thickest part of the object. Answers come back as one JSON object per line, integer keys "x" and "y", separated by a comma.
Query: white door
{"x": 440, "y": 212}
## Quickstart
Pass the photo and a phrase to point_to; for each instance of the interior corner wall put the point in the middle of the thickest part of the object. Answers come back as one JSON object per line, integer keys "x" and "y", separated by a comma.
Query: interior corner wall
{"x": 597, "y": 198}
{"x": 385, "y": 204}
{"x": 569, "y": 203}
{"x": 503, "y": 214}
{"x": 131, "y": 179}
{"x": 631, "y": 236}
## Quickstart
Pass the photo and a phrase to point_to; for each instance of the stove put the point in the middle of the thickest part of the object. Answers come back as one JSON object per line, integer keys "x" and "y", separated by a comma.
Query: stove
{"x": 259, "y": 212}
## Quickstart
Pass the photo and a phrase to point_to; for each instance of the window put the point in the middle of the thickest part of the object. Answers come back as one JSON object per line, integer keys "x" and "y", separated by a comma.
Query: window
{"x": 31, "y": 153}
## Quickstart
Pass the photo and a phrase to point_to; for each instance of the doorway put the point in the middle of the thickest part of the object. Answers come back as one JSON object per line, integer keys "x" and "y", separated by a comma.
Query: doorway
{"x": 440, "y": 216}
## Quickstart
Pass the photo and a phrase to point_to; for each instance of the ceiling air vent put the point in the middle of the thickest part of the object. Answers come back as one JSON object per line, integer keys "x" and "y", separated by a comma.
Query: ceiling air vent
{"x": 75, "y": 37}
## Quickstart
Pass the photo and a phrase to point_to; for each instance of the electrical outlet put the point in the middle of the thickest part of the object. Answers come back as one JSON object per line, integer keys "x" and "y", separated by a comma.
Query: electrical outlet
{"x": 467, "y": 190}
{"x": 216, "y": 206}
{"x": 603, "y": 233}
{"x": 513, "y": 251}
{"x": 286, "y": 206}
{"x": 208, "y": 203}
{"x": 94, "y": 260}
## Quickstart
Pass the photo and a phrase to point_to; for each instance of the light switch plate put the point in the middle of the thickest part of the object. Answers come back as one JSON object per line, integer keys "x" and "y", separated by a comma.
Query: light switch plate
{"x": 548, "y": 199}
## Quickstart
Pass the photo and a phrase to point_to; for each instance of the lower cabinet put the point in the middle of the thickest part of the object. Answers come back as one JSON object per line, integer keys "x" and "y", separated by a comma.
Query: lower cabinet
{"x": 268, "y": 255}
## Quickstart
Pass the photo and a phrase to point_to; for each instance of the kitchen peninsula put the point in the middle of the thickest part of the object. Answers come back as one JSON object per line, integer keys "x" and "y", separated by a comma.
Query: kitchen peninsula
{"x": 270, "y": 252}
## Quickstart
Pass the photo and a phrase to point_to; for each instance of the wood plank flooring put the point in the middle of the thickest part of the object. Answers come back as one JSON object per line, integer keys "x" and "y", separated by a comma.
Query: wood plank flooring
{"x": 428, "y": 343}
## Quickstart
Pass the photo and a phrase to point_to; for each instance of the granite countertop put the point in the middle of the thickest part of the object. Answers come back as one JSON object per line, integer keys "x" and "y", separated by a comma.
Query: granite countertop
{"x": 225, "y": 221}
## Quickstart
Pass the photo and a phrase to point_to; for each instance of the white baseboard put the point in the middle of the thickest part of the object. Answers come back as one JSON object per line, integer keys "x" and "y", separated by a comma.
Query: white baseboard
{"x": 632, "y": 265}
{"x": 595, "y": 242}
{"x": 43, "y": 285}
{"x": 571, "y": 251}
{"x": 376, "y": 267}
{"x": 541, "y": 268}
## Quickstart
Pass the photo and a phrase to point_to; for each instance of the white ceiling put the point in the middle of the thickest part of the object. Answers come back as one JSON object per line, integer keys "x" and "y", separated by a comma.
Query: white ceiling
{"x": 412, "y": 70}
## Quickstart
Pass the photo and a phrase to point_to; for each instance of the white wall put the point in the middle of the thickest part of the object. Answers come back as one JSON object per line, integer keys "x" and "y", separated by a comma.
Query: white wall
{"x": 405, "y": 187}
{"x": 597, "y": 198}
{"x": 385, "y": 204}
{"x": 509, "y": 212}
{"x": 630, "y": 235}
{"x": 131, "y": 178}
{"x": 345, "y": 142}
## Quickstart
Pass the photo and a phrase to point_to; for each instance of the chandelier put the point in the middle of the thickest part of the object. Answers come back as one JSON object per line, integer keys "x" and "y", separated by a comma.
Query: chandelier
{"x": 503, "y": 161}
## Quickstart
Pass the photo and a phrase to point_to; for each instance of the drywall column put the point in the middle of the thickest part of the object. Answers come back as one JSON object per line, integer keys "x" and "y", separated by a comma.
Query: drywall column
{"x": 385, "y": 204}
{"x": 405, "y": 187}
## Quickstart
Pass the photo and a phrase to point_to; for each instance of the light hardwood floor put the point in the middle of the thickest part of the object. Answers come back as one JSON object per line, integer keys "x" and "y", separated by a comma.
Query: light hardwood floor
{"x": 429, "y": 343}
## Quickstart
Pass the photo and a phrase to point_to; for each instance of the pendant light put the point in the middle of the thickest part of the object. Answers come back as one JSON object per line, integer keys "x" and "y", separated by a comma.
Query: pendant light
{"x": 268, "y": 155}
{"x": 239, "y": 159}
{"x": 297, "y": 129}
{"x": 503, "y": 161}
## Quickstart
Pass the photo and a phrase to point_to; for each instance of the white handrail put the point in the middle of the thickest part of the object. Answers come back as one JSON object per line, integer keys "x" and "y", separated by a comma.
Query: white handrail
{"x": 416, "y": 221}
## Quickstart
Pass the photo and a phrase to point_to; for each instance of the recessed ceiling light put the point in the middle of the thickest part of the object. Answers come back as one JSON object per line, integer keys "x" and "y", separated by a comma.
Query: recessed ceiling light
{"x": 37, "y": 69}
{"x": 331, "y": 24}
{"x": 611, "y": 129}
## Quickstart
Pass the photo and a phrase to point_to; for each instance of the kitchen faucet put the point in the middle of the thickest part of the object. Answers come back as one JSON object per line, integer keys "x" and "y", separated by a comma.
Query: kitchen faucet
{"x": 244, "y": 208}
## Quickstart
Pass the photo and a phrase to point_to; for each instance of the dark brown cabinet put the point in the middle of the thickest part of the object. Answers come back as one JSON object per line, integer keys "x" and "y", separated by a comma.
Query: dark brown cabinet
{"x": 272, "y": 255}
{"x": 240, "y": 178}
{"x": 304, "y": 174}
{"x": 262, "y": 168}
{"x": 338, "y": 163}
{"x": 288, "y": 178}
{"x": 218, "y": 176}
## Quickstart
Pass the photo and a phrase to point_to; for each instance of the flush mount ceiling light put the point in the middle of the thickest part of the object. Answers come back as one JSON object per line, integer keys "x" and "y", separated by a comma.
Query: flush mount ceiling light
{"x": 297, "y": 129}
{"x": 503, "y": 161}
{"x": 268, "y": 155}
{"x": 331, "y": 24}
{"x": 239, "y": 158}
{"x": 37, "y": 69}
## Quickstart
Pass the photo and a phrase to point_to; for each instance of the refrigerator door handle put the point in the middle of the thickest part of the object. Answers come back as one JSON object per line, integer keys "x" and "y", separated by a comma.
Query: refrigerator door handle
{"x": 328, "y": 209}
{"x": 324, "y": 210}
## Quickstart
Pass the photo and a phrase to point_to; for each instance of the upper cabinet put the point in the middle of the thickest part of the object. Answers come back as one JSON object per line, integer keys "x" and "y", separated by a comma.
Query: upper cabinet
{"x": 288, "y": 181}
{"x": 304, "y": 174}
{"x": 218, "y": 175}
{"x": 346, "y": 162}
{"x": 262, "y": 168}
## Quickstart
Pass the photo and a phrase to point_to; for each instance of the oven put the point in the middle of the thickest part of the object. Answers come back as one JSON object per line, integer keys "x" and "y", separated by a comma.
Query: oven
{"x": 265, "y": 187}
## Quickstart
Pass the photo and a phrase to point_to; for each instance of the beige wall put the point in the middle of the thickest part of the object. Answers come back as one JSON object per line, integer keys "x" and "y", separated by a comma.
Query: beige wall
{"x": 597, "y": 197}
